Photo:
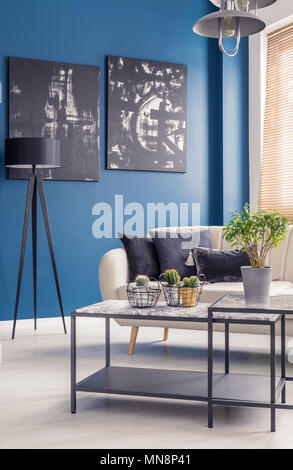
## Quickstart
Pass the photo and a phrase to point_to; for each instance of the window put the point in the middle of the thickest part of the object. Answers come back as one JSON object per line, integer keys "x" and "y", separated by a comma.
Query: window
{"x": 276, "y": 182}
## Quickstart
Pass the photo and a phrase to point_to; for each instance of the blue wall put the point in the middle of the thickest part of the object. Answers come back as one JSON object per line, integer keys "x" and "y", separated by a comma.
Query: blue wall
{"x": 235, "y": 131}
{"x": 85, "y": 32}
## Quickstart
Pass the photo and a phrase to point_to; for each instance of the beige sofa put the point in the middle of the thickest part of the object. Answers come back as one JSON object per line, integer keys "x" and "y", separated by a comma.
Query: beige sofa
{"x": 114, "y": 276}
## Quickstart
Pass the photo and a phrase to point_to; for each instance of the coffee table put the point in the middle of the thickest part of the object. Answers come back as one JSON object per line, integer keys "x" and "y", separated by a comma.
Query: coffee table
{"x": 214, "y": 388}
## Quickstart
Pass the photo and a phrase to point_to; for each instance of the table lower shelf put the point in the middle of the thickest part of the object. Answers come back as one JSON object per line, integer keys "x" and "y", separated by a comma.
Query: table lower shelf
{"x": 175, "y": 384}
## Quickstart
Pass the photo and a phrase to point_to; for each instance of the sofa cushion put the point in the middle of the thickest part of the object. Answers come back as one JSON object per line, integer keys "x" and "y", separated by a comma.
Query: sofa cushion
{"x": 220, "y": 265}
{"x": 212, "y": 292}
{"x": 173, "y": 249}
{"x": 142, "y": 256}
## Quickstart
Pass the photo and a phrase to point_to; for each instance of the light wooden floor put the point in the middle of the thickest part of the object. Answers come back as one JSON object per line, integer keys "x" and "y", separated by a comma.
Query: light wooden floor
{"x": 34, "y": 392}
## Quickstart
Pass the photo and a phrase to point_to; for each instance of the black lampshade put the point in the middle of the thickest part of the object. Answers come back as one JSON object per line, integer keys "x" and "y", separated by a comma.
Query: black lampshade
{"x": 26, "y": 152}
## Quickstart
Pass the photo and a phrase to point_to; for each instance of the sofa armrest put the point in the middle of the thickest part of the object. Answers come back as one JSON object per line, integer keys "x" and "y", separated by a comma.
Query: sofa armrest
{"x": 113, "y": 273}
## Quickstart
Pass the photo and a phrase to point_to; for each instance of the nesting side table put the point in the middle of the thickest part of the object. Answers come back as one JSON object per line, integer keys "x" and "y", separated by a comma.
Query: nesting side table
{"x": 235, "y": 309}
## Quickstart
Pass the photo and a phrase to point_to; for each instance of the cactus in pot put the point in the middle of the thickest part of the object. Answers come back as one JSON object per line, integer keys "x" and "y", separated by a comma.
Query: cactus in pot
{"x": 142, "y": 284}
{"x": 142, "y": 280}
{"x": 172, "y": 292}
{"x": 189, "y": 291}
{"x": 191, "y": 281}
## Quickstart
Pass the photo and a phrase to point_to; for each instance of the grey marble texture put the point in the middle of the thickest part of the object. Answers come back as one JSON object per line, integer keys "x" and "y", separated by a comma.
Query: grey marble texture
{"x": 118, "y": 307}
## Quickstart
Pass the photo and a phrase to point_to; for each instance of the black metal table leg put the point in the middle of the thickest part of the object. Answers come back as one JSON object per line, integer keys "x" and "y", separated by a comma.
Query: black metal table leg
{"x": 50, "y": 242}
{"x": 273, "y": 377}
{"x": 107, "y": 324}
{"x": 227, "y": 352}
{"x": 210, "y": 369}
{"x": 283, "y": 355}
{"x": 29, "y": 197}
{"x": 73, "y": 364}
{"x": 34, "y": 243}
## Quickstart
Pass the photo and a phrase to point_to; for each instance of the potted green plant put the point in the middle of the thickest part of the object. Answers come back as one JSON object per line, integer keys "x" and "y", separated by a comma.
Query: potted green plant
{"x": 257, "y": 232}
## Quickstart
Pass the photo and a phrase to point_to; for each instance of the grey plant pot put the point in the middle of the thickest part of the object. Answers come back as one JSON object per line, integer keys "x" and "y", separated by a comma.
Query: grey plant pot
{"x": 256, "y": 283}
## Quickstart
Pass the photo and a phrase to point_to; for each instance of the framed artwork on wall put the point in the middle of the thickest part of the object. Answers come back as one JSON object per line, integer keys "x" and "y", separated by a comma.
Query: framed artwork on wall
{"x": 146, "y": 115}
{"x": 62, "y": 101}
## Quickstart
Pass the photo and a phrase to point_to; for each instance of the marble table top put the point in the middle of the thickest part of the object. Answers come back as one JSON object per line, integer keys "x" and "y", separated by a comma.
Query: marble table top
{"x": 121, "y": 307}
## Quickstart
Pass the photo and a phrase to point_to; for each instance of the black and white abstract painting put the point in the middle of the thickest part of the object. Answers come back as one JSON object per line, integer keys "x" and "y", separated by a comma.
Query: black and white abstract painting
{"x": 146, "y": 115}
{"x": 62, "y": 101}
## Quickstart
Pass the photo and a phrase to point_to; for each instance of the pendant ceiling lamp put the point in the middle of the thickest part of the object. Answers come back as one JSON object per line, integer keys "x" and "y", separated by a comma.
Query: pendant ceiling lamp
{"x": 248, "y": 4}
{"x": 234, "y": 20}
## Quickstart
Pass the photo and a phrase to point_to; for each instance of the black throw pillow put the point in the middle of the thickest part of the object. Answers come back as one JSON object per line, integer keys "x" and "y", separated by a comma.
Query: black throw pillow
{"x": 173, "y": 252}
{"x": 142, "y": 256}
{"x": 220, "y": 265}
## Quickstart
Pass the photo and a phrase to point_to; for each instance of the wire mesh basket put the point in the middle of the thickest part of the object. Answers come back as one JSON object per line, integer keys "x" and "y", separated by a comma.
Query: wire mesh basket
{"x": 180, "y": 295}
{"x": 144, "y": 296}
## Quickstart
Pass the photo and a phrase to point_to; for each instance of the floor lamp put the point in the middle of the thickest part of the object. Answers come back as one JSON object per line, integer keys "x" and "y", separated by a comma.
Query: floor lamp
{"x": 34, "y": 153}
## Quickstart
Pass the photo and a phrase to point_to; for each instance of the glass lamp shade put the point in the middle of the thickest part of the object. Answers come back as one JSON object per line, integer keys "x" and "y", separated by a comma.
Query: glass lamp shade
{"x": 29, "y": 152}
{"x": 229, "y": 27}
{"x": 209, "y": 25}
{"x": 253, "y": 4}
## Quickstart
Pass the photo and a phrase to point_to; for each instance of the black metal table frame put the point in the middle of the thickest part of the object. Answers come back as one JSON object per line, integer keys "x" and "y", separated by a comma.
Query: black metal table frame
{"x": 275, "y": 390}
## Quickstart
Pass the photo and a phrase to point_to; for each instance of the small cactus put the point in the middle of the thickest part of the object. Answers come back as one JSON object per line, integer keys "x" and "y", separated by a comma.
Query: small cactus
{"x": 172, "y": 277}
{"x": 186, "y": 282}
{"x": 142, "y": 280}
{"x": 191, "y": 281}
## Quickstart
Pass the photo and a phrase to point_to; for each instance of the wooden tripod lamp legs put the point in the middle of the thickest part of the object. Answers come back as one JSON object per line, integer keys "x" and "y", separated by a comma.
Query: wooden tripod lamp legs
{"x": 133, "y": 336}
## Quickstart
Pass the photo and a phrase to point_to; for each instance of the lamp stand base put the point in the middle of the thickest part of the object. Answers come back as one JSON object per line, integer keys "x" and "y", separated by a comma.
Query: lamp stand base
{"x": 35, "y": 185}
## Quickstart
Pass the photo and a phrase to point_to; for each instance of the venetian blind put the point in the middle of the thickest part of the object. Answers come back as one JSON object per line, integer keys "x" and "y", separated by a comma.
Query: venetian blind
{"x": 276, "y": 181}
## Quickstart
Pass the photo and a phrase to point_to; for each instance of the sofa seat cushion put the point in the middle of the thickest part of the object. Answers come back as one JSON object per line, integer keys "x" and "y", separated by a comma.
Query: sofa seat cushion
{"x": 212, "y": 292}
